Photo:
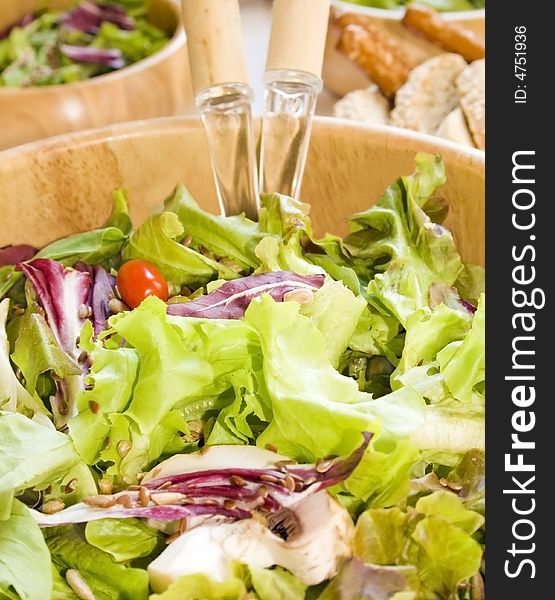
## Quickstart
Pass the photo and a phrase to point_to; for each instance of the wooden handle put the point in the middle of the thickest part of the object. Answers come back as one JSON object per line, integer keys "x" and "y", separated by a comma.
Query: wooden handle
{"x": 214, "y": 41}
{"x": 298, "y": 35}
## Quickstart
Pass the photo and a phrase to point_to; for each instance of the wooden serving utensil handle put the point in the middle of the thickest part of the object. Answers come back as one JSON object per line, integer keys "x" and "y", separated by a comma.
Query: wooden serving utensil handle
{"x": 215, "y": 42}
{"x": 298, "y": 35}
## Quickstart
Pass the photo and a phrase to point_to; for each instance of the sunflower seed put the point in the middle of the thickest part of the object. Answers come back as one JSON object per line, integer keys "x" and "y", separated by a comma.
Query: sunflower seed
{"x": 100, "y": 501}
{"x": 94, "y": 406}
{"x": 79, "y": 585}
{"x": 302, "y": 296}
{"x": 117, "y": 306}
{"x": 125, "y": 500}
{"x": 187, "y": 240}
{"x": 229, "y": 504}
{"x": 52, "y": 507}
{"x": 271, "y": 447}
{"x": 323, "y": 466}
{"x": 262, "y": 491}
{"x": 82, "y": 357}
{"x": 18, "y": 310}
{"x": 173, "y": 537}
{"x": 165, "y": 498}
{"x": 456, "y": 487}
{"x": 144, "y": 496}
{"x": 269, "y": 478}
{"x": 237, "y": 481}
{"x": 289, "y": 483}
{"x": 83, "y": 311}
{"x": 105, "y": 486}
{"x": 182, "y": 526}
{"x": 123, "y": 447}
{"x": 71, "y": 486}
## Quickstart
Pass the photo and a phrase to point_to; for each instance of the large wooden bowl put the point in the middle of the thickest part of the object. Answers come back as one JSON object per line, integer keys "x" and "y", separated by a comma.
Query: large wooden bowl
{"x": 155, "y": 87}
{"x": 53, "y": 188}
{"x": 342, "y": 76}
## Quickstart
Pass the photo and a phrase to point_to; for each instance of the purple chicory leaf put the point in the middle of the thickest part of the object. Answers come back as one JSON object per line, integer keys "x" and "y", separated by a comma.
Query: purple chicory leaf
{"x": 232, "y": 299}
{"x": 83, "y": 513}
{"x": 230, "y": 492}
{"x": 12, "y": 255}
{"x": 109, "y": 57}
{"x": 63, "y": 293}
{"x": 102, "y": 291}
{"x": 88, "y": 17}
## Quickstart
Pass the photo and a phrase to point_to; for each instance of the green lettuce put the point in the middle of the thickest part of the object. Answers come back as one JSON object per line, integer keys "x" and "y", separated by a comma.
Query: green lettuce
{"x": 36, "y": 456}
{"x": 107, "y": 579}
{"x": 435, "y": 537}
{"x": 234, "y": 238}
{"x": 124, "y": 539}
{"x": 158, "y": 240}
{"x": 201, "y": 587}
{"x": 25, "y": 571}
{"x": 396, "y": 247}
{"x": 276, "y": 584}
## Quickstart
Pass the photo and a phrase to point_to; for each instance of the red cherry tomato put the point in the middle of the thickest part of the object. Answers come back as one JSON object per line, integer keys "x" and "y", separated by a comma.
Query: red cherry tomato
{"x": 137, "y": 279}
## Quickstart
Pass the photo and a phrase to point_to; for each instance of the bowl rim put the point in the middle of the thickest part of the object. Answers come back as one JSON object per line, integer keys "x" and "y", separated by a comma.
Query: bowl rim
{"x": 177, "y": 41}
{"x": 396, "y": 14}
{"x": 149, "y": 127}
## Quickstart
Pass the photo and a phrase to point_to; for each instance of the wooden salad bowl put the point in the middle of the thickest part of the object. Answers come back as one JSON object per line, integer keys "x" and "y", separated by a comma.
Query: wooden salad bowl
{"x": 154, "y": 87}
{"x": 342, "y": 76}
{"x": 53, "y": 188}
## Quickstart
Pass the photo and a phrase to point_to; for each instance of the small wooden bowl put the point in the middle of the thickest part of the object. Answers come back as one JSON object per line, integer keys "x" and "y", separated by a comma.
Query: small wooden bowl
{"x": 57, "y": 187}
{"x": 342, "y": 76}
{"x": 157, "y": 86}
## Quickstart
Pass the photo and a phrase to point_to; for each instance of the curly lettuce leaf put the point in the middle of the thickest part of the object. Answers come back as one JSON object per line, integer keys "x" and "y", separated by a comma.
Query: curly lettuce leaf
{"x": 234, "y": 237}
{"x": 158, "y": 240}
{"x": 36, "y": 456}
{"x": 435, "y": 537}
{"x": 107, "y": 579}
{"x": 397, "y": 248}
{"x": 23, "y": 551}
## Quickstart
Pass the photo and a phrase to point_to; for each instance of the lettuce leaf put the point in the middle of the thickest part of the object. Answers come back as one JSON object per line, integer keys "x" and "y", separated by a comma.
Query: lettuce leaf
{"x": 234, "y": 237}
{"x": 201, "y": 587}
{"x": 35, "y": 455}
{"x": 396, "y": 247}
{"x": 158, "y": 239}
{"x": 435, "y": 537}
{"x": 276, "y": 584}
{"x": 107, "y": 579}
{"x": 124, "y": 539}
{"x": 24, "y": 557}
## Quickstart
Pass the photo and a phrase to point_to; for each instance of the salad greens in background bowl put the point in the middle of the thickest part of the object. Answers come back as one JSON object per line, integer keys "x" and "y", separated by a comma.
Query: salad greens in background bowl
{"x": 200, "y": 407}
{"x": 68, "y": 65}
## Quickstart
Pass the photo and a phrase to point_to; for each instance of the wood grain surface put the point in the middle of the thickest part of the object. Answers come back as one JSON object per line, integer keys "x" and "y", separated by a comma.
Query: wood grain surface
{"x": 157, "y": 86}
{"x": 54, "y": 188}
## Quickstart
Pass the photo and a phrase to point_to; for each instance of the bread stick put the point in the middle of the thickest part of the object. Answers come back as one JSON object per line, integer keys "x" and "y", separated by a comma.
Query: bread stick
{"x": 450, "y": 36}
{"x": 376, "y": 54}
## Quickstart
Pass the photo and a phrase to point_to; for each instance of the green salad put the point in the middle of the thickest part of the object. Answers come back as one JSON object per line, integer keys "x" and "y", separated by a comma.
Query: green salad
{"x": 92, "y": 38}
{"x": 212, "y": 408}
{"x": 440, "y": 5}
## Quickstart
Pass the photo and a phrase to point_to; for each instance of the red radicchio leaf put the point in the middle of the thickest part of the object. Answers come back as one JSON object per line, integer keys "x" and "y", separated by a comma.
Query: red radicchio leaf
{"x": 12, "y": 255}
{"x": 88, "y": 17}
{"x": 209, "y": 492}
{"x": 232, "y": 299}
{"x": 102, "y": 291}
{"x": 109, "y": 57}
{"x": 62, "y": 292}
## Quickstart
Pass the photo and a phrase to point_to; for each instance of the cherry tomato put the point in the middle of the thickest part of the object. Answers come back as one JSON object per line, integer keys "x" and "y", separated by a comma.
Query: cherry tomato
{"x": 137, "y": 279}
